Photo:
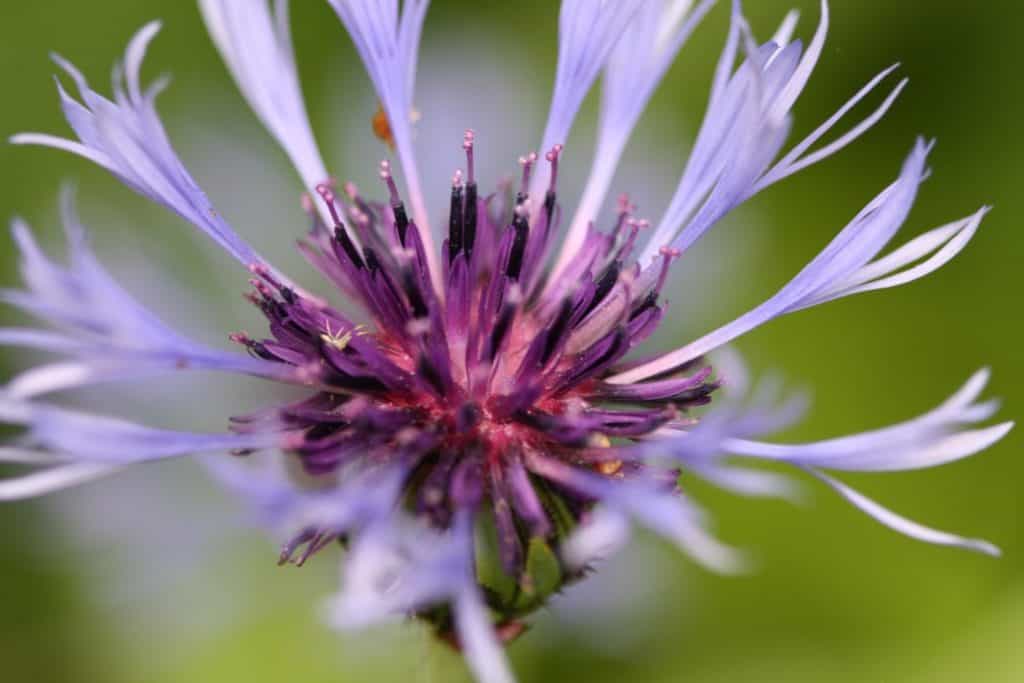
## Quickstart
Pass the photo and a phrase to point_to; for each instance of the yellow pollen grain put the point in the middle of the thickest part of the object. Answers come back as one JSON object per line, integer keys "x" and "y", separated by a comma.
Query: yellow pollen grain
{"x": 609, "y": 467}
{"x": 339, "y": 340}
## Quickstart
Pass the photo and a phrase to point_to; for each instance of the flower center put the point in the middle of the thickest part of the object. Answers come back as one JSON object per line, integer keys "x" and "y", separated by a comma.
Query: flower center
{"x": 484, "y": 384}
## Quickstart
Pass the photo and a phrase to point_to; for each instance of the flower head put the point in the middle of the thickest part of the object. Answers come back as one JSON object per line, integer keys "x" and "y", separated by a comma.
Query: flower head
{"x": 479, "y": 435}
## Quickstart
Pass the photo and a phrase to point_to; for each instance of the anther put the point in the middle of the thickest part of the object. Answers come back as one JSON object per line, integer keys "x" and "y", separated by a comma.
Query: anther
{"x": 401, "y": 218}
{"x": 262, "y": 288}
{"x": 240, "y": 338}
{"x": 668, "y": 255}
{"x": 522, "y": 228}
{"x": 504, "y": 322}
{"x": 455, "y": 218}
{"x": 556, "y": 331}
{"x": 342, "y": 238}
{"x": 552, "y": 157}
{"x": 415, "y": 296}
{"x": 327, "y": 194}
{"x": 359, "y": 217}
{"x": 605, "y": 282}
{"x": 469, "y": 207}
{"x": 389, "y": 180}
{"x": 624, "y": 207}
{"x": 262, "y": 271}
{"x": 635, "y": 226}
{"x": 527, "y": 163}
{"x": 467, "y": 144}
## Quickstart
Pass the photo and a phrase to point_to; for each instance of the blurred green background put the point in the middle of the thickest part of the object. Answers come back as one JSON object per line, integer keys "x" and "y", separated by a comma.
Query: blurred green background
{"x": 154, "y": 577}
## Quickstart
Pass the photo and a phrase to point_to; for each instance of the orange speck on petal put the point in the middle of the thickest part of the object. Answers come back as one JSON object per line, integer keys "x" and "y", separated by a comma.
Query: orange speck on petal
{"x": 382, "y": 127}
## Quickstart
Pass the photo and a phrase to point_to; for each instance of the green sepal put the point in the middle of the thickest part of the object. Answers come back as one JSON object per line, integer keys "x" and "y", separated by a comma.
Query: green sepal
{"x": 500, "y": 587}
{"x": 541, "y": 576}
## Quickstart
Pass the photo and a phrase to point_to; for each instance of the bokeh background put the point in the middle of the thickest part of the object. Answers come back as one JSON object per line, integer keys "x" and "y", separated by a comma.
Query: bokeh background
{"x": 154, "y": 576}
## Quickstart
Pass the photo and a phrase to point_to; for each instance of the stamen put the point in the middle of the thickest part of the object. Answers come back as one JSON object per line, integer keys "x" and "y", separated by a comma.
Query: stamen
{"x": 401, "y": 218}
{"x": 240, "y": 338}
{"x": 635, "y": 226}
{"x": 469, "y": 220}
{"x": 262, "y": 271}
{"x": 372, "y": 262}
{"x": 341, "y": 236}
{"x": 527, "y": 163}
{"x": 504, "y": 323}
{"x": 340, "y": 233}
{"x": 668, "y": 255}
{"x": 262, "y": 288}
{"x": 522, "y": 228}
{"x": 550, "y": 196}
{"x": 552, "y": 157}
{"x": 557, "y": 329}
{"x": 361, "y": 219}
{"x": 605, "y": 282}
{"x": 455, "y": 218}
{"x": 467, "y": 144}
{"x": 625, "y": 210}
{"x": 327, "y": 194}
{"x": 389, "y": 180}
{"x": 254, "y": 347}
{"x": 412, "y": 291}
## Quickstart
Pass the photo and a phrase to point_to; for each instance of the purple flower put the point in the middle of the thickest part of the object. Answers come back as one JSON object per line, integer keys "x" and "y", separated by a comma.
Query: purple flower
{"x": 479, "y": 435}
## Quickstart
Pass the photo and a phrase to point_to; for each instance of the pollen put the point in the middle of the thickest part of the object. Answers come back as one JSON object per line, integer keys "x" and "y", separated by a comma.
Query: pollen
{"x": 609, "y": 468}
{"x": 340, "y": 340}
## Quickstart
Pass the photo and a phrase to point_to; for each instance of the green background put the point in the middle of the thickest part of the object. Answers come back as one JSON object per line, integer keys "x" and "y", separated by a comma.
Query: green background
{"x": 184, "y": 590}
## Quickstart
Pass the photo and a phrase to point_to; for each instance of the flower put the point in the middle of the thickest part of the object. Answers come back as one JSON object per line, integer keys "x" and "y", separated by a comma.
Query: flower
{"x": 478, "y": 439}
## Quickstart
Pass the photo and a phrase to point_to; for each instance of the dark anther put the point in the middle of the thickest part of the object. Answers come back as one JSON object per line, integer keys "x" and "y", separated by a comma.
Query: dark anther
{"x": 412, "y": 290}
{"x": 650, "y": 301}
{"x": 605, "y": 282}
{"x": 346, "y": 243}
{"x": 401, "y": 222}
{"x": 549, "y": 205}
{"x": 621, "y": 338}
{"x": 515, "y": 257}
{"x": 508, "y": 312}
{"x": 372, "y": 262}
{"x": 260, "y": 351}
{"x": 469, "y": 223}
{"x": 555, "y": 332}
{"x": 288, "y": 294}
{"x": 455, "y": 223}
{"x": 273, "y": 309}
{"x": 426, "y": 370}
